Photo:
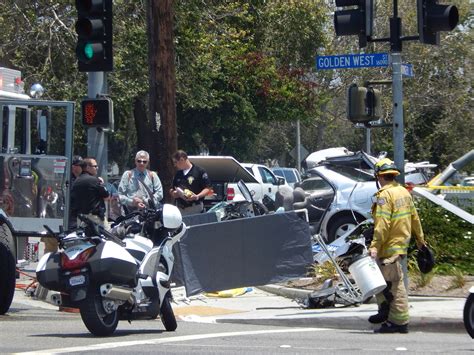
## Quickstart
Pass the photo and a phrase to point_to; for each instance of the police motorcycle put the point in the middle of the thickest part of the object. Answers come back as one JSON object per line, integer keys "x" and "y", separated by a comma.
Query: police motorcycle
{"x": 119, "y": 275}
{"x": 468, "y": 313}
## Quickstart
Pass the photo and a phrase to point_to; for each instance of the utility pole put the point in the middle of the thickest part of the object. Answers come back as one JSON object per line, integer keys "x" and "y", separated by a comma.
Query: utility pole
{"x": 298, "y": 145}
{"x": 162, "y": 96}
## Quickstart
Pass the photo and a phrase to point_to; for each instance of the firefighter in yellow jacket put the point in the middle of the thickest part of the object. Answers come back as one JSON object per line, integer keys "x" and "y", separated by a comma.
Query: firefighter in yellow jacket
{"x": 395, "y": 221}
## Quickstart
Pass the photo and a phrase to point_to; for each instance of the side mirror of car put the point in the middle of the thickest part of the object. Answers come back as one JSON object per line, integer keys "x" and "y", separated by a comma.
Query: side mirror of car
{"x": 280, "y": 181}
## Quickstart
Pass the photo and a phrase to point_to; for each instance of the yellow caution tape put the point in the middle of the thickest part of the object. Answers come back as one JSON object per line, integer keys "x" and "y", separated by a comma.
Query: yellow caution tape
{"x": 453, "y": 188}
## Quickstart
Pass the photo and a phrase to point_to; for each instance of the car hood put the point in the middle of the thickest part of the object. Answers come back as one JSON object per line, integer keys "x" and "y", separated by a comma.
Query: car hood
{"x": 223, "y": 168}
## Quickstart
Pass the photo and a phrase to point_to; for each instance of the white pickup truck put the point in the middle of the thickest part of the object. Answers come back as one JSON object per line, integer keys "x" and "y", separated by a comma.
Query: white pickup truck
{"x": 266, "y": 177}
{"x": 224, "y": 173}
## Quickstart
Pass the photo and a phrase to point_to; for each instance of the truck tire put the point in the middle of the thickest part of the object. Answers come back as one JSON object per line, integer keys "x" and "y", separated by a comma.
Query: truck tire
{"x": 7, "y": 268}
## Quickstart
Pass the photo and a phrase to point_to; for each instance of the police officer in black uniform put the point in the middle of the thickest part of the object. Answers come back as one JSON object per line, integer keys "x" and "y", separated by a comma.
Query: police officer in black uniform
{"x": 191, "y": 184}
{"x": 88, "y": 193}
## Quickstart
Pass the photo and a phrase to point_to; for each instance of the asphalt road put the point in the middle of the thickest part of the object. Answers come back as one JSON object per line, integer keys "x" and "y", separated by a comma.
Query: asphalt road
{"x": 37, "y": 327}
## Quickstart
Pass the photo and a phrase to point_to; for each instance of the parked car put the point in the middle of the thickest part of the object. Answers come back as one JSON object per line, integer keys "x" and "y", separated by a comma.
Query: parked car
{"x": 468, "y": 181}
{"x": 291, "y": 175}
{"x": 265, "y": 176}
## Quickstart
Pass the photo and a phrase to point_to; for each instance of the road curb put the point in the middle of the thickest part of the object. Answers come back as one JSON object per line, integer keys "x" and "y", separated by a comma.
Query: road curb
{"x": 293, "y": 293}
{"x": 424, "y": 324}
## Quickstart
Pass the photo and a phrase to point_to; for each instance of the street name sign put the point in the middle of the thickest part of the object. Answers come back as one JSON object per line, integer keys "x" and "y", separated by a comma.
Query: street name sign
{"x": 345, "y": 61}
{"x": 407, "y": 70}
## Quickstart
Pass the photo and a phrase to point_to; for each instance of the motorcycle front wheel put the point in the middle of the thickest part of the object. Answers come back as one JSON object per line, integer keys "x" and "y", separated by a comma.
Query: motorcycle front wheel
{"x": 469, "y": 314}
{"x": 167, "y": 315}
{"x": 98, "y": 320}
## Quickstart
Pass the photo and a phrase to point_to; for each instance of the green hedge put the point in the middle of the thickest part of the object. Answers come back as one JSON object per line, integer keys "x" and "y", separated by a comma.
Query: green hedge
{"x": 450, "y": 237}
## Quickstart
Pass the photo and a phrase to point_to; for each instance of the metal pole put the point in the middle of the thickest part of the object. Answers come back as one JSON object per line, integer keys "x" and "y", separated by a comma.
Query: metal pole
{"x": 367, "y": 141}
{"x": 398, "y": 130}
{"x": 298, "y": 145}
{"x": 97, "y": 139}
{"x": 398, "y": 133}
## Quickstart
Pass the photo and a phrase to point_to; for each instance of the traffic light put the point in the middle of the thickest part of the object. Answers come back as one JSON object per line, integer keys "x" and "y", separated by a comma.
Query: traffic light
{"x": 433, "y": 18}
{"x": 355, "y": 21}
{"x": 94, "y": 31}
{"x": 97, "y": 112}
{"x": 363, "y": 104}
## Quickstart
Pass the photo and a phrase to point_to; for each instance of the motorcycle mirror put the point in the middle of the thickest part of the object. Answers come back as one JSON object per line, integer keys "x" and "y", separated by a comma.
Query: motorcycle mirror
{"x": 151, "y": 203}
{"x": 49, "y": 230}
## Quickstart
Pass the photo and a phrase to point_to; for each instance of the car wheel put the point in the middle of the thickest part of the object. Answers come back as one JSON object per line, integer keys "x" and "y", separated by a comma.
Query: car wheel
{"x": 340, "y": 226}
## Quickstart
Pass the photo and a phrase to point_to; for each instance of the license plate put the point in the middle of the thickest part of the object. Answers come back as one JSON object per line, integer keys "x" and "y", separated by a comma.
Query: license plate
{"x": 77, "y": 280}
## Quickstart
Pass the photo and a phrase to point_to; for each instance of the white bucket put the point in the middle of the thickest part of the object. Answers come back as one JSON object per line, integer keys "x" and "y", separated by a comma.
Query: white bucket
{"x": 367, "y": 276}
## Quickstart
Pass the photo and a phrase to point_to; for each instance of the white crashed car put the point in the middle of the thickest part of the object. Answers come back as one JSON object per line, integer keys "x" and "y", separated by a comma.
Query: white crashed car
{"x": 348, "y": 192}
{"x": 344, "y": 187}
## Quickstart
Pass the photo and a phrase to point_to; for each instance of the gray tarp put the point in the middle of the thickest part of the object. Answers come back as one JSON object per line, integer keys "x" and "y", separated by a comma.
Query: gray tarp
{"x": 177, "y": 275}
{"x": 245, "y": 252}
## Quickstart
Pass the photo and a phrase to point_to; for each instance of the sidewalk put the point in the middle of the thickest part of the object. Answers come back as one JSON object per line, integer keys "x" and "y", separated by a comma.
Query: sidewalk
{"x": 275, "y": 305}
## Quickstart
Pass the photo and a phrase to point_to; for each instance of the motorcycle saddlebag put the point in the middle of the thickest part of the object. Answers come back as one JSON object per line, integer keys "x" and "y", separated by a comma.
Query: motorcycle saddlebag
{"x": 112, "y": 263}
{"x": 48, "y": 272}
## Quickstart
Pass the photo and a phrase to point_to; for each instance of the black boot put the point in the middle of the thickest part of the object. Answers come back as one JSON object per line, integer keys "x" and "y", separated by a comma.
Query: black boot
{"x": 390, "y": 328}
{"x": 382, "y": 314}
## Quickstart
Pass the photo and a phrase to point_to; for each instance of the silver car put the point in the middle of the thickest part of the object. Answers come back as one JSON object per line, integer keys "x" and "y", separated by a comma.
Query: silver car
{"x": 343, "y": 188}
{"x": 348, "y": 192}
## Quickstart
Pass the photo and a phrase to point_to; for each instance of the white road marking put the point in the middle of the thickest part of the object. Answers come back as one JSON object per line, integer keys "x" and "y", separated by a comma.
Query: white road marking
{"x": 167, "y": 340}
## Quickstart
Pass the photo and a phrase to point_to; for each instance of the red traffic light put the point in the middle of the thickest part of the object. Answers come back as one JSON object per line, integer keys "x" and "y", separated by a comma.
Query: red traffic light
{"x": 97, "y": 112}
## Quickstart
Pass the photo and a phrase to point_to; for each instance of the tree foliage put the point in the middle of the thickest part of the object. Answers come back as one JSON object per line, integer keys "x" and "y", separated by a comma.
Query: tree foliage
{"x": 245, "y": 74}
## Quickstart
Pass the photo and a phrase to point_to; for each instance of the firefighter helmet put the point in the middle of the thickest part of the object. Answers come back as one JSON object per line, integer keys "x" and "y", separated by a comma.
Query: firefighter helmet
{"x": 425, "y": 259}
{"x": 385, "y": 167}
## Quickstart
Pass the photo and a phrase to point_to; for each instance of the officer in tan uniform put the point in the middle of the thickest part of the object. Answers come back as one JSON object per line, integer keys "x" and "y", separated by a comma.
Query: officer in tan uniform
{"x": 395, "y": 221}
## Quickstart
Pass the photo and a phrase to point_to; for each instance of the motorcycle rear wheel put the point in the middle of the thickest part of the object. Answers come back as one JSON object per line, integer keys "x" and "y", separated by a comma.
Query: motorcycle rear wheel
{"x": 469, "y": 315}
{"x": 167, "y": 315}
{"x": 97, "y": 320}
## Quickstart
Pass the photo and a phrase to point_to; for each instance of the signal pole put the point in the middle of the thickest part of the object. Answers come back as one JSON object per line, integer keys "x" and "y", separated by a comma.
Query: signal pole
{"x": 97, "y": 143}
{"x": 357, "y": 19}
{"x": 94, "y": 52}
{"x": 432, "y": 18}
{"x": 398, "y": 127}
